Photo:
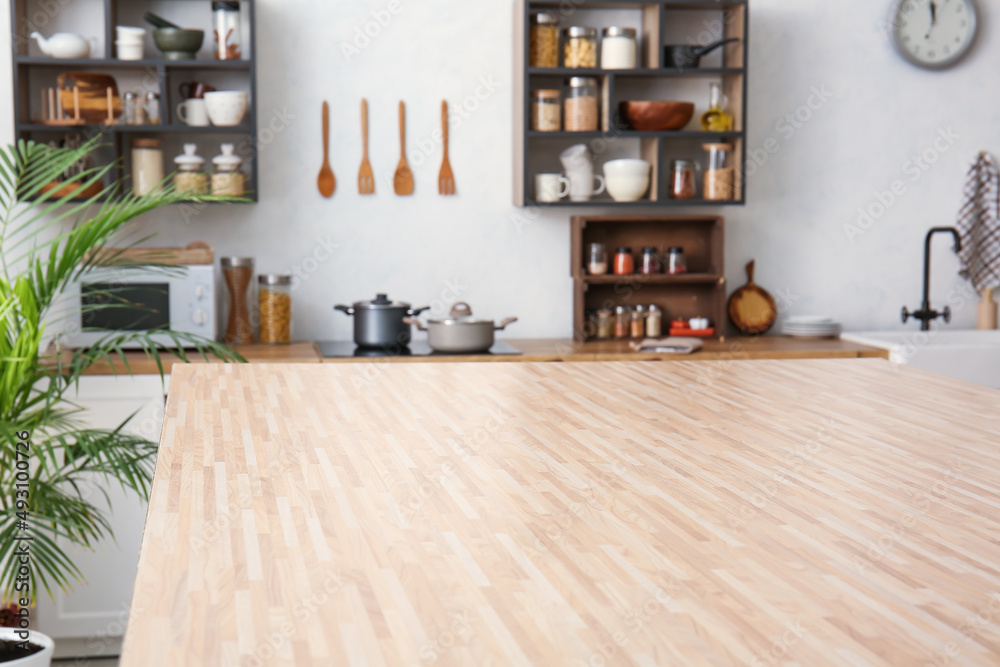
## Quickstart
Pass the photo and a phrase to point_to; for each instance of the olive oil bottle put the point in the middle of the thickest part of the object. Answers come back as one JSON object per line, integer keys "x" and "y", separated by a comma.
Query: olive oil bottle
{"x": 716, "y": 119}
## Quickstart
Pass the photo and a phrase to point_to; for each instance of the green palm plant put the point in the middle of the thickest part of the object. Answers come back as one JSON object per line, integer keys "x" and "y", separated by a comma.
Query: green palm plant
{"x": 48, "y": 241}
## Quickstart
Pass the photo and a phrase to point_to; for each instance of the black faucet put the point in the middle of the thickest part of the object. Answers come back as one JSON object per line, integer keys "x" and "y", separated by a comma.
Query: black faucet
{"x": 926, "y": 315}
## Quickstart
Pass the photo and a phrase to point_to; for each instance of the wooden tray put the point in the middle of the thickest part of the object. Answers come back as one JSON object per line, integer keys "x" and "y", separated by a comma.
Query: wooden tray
{"x": 196, "y": 252}
{"x": 63, "y": 189}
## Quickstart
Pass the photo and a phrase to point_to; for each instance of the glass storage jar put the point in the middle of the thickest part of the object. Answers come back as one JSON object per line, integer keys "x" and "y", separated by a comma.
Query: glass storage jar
{"x": 624, "y": 262}
{"x": 147, "y": 165}
{"x": 580, "y": 105}
{"x": 719, "y": 177}
{"x": 153, "y": 108}
{"x": 227, "y": 179}
{"x": 274, "y": 308}
{"x": 637, "y": 322}
{"x": 622, "y": 316}
{"x": 546, "y": 115}
{"x": 190, "y": 177}
{"x": 543, "y": 40}
{"x": 597, "y": 259}
{"x": 605, "y": 324}
{"x": 683, "y": 184}
{"x": 654, "y": 322}
{"x": 238, "y": 273}
{"x": 650, "y": 261}
{"x": 676, "y": 262}
{"x": 226, "y": 25}
{"x": 580, "y": 47}
{"x": 618, "y": 48}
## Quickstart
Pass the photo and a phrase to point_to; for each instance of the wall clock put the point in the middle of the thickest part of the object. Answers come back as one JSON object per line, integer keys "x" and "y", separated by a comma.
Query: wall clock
{"x": 934, "y": 34}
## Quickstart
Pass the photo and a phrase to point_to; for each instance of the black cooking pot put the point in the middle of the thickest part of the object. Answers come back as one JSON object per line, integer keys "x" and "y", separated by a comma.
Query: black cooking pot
{"x": 685, "y": 55}
{"x": 379, "y": 323}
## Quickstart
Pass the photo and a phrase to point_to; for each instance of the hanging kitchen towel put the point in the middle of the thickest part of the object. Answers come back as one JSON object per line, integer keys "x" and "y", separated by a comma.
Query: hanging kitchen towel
{"x": 979, "y": 224}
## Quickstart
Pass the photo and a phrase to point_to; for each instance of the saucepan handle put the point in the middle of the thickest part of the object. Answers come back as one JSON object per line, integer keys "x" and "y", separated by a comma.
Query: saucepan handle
{"x": 504, "y": 323}
{"x": 346, "y": 309}
{"x": 415, "y": 322}
{"x": 416, "y": 311}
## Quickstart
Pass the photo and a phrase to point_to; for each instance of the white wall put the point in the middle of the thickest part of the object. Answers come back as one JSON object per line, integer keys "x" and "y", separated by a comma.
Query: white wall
{"x": 882, "y": 112}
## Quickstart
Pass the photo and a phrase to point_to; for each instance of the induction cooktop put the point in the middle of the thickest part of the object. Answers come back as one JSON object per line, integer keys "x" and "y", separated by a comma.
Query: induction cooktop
{"x": 418, "y": 348}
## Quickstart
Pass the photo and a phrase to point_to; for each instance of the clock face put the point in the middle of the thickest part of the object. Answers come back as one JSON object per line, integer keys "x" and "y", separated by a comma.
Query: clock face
{"x": 934, "y": 33}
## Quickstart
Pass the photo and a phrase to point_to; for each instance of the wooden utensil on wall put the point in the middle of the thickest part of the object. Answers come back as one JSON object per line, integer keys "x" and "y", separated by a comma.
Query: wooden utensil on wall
{"x": 402, "y": 181}
{"x": 93, "y": 93}
{"x": 366, "y": 180}
{"x": 326, "y": 182}
{"x": 751, "y": 308}
{"x": 446, "y": 179}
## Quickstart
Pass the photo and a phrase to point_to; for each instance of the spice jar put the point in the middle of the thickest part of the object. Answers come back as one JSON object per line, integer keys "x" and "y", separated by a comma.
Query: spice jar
{"x": 597, "y": 259}
{"x": 654, "y": 322}
{"x": 682, "y": 180}
{"x": 147, "y": 165}
{"x": 274, "y": 307}
{"x": 153, "y": 108}
{"x": 637, "y": 322}
{"x": 546, "y": 116}
{"x": 128, "y": 109}
{"x": 226, "y": 24}
{"x": 227, "y": 178}
{"x": 543, "y": 40}
{"x": 580, "y": 105}
{"x": 676, "y": 262}
{"x": 621, "y": 322}
{"x": 605, "y": 324}
{"x": 618, "y": 48}
{"x": 237, "y": 272}
{"x": 190, "y": 177}
{"x": 719, "y": 177}
{"x": 624, "y": 263}
{"x": 650, "y": 261}
{"x": 580, "y": 47}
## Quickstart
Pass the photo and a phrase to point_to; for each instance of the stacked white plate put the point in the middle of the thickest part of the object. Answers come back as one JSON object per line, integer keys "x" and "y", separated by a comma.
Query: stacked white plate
{"x": 811, "y": 326}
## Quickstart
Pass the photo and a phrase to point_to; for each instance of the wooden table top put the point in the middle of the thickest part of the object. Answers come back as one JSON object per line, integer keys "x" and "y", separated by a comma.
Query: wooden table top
{"x": 831, "y": 512}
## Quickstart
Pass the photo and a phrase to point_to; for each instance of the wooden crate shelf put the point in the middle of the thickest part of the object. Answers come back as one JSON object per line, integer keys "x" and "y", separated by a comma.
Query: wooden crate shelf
{"x": 699, "y": 293}
{"x": 538, "y": 152}
{"x": 157, "y": 74}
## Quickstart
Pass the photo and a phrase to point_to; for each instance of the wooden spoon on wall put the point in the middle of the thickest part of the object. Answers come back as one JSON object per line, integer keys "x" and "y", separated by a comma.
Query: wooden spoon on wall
{"x": 327, "y": 182}
{"x": 402, "y": 181}
{"x": 751, "y": 308}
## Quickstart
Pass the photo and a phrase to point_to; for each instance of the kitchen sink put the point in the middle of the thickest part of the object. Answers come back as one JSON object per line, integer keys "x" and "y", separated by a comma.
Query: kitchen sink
{"x": 973, "y": 356}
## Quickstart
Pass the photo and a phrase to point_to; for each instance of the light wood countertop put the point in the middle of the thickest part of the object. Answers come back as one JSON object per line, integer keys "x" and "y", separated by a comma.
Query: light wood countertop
{"x": 807, "y": 512}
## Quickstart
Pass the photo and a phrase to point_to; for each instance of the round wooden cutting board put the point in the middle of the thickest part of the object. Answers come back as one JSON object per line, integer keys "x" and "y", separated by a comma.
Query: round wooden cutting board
{"x": 751, "y": 308}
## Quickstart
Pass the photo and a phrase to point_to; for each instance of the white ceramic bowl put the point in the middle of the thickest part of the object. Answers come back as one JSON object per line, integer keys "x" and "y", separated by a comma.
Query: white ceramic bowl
{"x": 227, "y": 108}
{"x": 129, "y": 51}
{"x": 627, "y": 179}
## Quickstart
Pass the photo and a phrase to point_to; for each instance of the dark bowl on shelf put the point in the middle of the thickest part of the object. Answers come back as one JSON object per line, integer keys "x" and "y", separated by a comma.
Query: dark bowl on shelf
{"x": 178, "y": 44}
{"x": 656, "y": 116}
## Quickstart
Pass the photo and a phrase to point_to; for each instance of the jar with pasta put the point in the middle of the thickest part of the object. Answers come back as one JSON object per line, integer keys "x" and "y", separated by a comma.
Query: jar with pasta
{"x": 546, "y": 114}
{"x": 580, "y": 47}
{"x": 228, "y": 179}
{"x": 543, "y": 40}
{"x": 580, "y": 105}
{"x": 274, "y": 308}
{"x": 720, "y": 177}
{"x": 190, "y": 177}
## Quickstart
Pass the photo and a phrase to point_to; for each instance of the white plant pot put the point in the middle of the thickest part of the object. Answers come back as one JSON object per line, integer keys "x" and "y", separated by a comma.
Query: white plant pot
{"x": 40, "y": 659}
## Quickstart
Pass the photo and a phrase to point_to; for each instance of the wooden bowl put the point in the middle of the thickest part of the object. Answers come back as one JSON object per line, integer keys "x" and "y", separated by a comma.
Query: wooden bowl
{"x": 655, "y": 116}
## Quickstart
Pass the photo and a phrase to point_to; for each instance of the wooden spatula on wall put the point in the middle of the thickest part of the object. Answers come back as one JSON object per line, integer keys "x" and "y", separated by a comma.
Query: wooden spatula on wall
{"x": 446, "y": 179}
{"x": 326, "y": 182}
{"x": 402, "y": 181}
{"x": 366, "y": 181}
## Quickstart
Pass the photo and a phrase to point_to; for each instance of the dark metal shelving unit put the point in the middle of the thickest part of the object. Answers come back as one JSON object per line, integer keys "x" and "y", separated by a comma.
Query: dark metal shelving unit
{"x": 24, "y": 66}
{"x": 653, "y": 145}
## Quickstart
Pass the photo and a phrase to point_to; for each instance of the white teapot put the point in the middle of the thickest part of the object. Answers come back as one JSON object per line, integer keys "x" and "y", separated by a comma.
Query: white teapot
{"x": 64, "y": 45}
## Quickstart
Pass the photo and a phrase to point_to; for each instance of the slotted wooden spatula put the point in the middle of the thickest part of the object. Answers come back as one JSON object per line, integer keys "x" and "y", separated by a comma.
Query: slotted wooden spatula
{"x": 366, "y": 181}
{"x": 326, "y": 182}
{"x": 402, "y": 181}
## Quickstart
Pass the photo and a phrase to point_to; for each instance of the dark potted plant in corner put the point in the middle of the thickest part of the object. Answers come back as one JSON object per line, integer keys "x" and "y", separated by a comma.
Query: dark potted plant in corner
{"x": 48, "y": 239}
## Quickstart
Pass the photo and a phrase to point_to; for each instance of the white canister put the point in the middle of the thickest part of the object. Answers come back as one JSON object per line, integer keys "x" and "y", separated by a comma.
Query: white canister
{"x": 147, "y": 165}
{"x": 618, "y": 48}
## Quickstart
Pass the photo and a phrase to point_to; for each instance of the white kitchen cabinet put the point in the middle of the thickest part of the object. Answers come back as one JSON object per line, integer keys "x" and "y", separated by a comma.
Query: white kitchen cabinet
{"x": 90, "y": 619}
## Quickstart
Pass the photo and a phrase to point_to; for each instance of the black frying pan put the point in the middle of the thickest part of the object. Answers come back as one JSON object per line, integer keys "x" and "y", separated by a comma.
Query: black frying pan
{"x": 685, "y": 55}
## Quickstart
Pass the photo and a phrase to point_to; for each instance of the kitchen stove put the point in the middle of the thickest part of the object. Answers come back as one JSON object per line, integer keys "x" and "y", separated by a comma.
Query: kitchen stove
{"x": 418, "y": 348}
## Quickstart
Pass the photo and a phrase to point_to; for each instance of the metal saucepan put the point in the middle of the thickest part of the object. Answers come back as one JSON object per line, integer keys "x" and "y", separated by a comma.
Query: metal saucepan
{"x": 380, "y": 322}
{"x": 685, "y": 55}
{"x": 461, "y": 333}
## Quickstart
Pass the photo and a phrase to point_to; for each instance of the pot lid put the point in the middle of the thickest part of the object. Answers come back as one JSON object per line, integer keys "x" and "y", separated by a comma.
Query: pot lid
{"x": 381, "y": 301}
{"x": 227, "y": 160}
{"x": 190, "y": 158}
{"x": 461, "y": 313}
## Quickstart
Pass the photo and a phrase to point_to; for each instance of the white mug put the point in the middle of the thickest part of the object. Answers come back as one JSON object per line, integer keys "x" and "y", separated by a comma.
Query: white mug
{"x": 227, "y": 107}
{"x": 193, "y": 112}
{"x": 551, "y": 187}
{"x": 580, "y": 171}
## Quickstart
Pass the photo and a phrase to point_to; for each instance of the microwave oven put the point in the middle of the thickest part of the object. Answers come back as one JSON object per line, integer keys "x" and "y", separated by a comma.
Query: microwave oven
{"x": 181, "y": 299}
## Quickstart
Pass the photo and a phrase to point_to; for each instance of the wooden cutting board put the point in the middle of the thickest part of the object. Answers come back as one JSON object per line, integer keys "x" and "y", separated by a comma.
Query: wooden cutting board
{"x": 751, "y": 308}
{"x": 93, "y": 95}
